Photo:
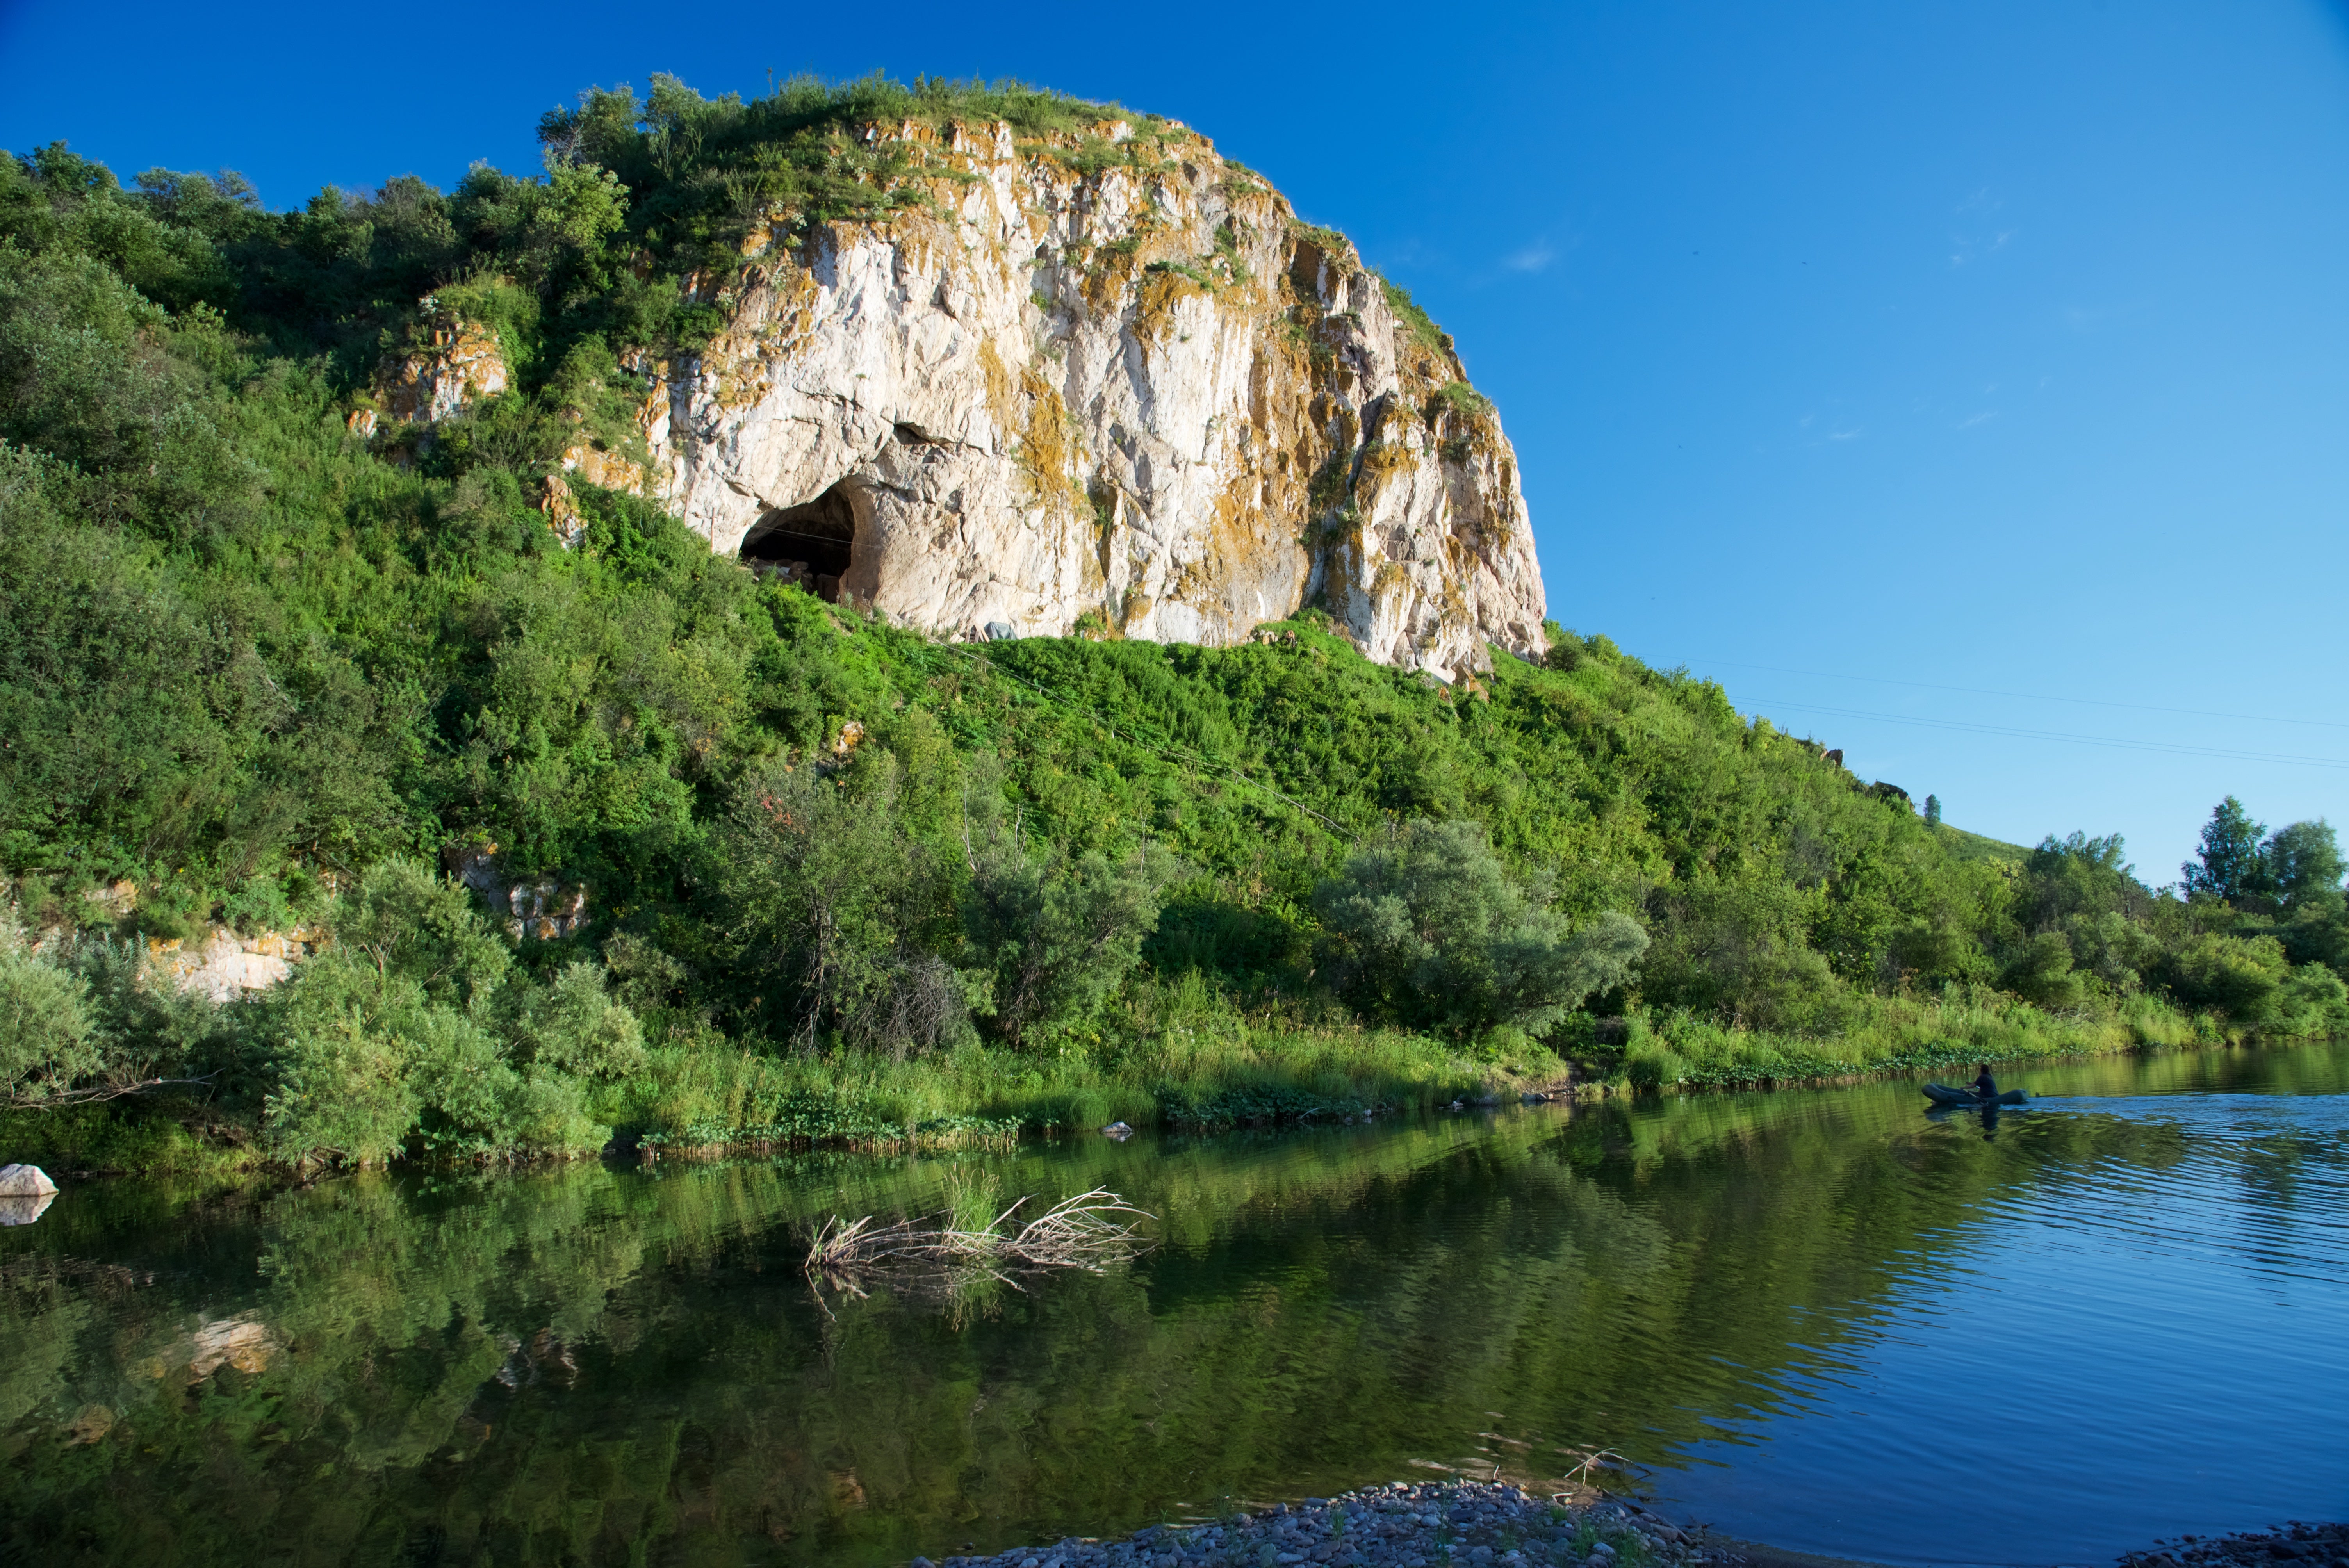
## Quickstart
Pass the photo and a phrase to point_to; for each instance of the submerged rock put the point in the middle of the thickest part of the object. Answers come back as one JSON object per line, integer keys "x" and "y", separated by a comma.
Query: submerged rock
{"x": 243, "y": 1342}
{"x": 2326, "y": 1544}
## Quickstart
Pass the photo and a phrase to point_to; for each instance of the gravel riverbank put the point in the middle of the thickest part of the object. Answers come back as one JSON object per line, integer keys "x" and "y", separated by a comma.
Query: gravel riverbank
{"x": 1405, "y": 1525}
{"x": 2313, "y": 1545}
{"x": 1432, "y": 1525}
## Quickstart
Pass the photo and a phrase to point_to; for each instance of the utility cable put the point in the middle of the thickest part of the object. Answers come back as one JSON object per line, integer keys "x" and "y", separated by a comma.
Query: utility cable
{"x": 2115, "y": 742}
{"x": 2032, "y": 696}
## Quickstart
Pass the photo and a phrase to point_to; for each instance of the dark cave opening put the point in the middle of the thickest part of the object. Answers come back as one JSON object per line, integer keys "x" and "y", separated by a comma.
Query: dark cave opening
{"x": 811, "y": 545}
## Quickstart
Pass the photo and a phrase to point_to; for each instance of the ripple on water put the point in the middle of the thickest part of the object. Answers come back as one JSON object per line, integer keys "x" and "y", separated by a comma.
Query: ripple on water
{"x": 2118, "y": 1347}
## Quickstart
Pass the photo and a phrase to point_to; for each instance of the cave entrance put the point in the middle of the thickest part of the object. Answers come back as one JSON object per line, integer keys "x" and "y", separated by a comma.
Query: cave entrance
{"x": 811, "y": 545}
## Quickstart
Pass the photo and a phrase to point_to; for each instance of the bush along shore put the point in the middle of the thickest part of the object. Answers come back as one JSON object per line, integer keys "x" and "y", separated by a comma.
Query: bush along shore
{"x": 545, "y": 840}
{"x": 1404, "y": 1525}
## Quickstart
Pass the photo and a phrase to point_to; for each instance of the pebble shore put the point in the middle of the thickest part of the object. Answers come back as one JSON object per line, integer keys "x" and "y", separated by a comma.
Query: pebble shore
{"x": 1405, "y": 1525}
{"x": 2313, "y": 1544}
{"x": 1434, "y": 1525}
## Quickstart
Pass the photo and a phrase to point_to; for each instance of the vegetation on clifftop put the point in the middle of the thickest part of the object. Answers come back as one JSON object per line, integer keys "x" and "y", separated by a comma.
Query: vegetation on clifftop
{"x": 844, "y": 881}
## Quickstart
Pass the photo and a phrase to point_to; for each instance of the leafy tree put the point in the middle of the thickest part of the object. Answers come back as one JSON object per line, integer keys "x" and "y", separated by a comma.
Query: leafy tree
{"x": 49, "y": 1044}
{"x": 1933, "y": 810}
{"x": 346, "y": 1038}
{"x": 1058, "y": 933}
{"x": 411, "y": 922}
{"x": 2112, "y": 948}
{"x": 87, "y": 1016}
{"x": 2077, "y": 875}
{"x": 834, "y": 912}
{"x": 585, "y": 205}
{"x": 2230, "y": 866}
{"x": 1431, "y": 930}
{"x": 1739, "y": 950}
{"x": 575, "y": 1026}
{"x": 2235, "y": 977}
{"x": 473, "y": 1101}
{"x": 416, "y": 1028}
{"x": 2042, "y": 973}
{"x": 2313, "y": 1000}
{"x": 2302, "y": 864}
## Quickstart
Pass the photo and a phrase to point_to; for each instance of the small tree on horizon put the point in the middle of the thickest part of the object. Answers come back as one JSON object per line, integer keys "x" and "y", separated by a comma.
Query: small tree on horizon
{"x": 1933, "y": 810}
{"x": 2229, "y": 864}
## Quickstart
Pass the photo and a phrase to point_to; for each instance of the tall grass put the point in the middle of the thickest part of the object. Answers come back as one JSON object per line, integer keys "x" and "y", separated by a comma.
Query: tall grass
{"x": 1187, "y": 1058}
{"x": 1900, "y": 1034}
{"x": 1178, "y": 1054}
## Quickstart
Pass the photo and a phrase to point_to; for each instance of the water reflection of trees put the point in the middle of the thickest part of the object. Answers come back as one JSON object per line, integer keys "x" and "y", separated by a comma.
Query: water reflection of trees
{"x": 583, "y": 1363}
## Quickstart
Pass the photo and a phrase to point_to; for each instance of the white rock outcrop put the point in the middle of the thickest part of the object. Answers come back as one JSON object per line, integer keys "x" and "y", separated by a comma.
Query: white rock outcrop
{"x": 454, "y": 361}
{"x": 223, "y": 965}
{"x": 1075, "y": 393}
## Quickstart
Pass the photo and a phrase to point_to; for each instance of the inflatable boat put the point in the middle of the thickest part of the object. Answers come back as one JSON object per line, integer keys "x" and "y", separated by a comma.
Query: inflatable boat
{"x": 1942, "y": 1094}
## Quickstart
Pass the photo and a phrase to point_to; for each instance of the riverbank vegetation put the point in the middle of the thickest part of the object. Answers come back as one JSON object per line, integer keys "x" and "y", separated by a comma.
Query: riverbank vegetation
{"x": 827, "y": 878}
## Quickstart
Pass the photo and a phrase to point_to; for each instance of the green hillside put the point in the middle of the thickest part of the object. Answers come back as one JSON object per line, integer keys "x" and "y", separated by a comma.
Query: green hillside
{"x": 841, "y": 879}
{"x": 1960, "y": 845}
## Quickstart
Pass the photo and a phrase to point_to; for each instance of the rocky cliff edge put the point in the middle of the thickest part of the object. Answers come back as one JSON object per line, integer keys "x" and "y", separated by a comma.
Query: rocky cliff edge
{"x": 1091, "y": 383}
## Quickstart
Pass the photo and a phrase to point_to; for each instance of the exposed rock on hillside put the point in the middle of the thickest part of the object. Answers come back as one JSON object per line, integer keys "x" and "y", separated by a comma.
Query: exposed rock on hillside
{"x": 1128, "y": 393}
{"x": 223, "y": 964}
{"x": 452, "y": 361}
{"x": 541, "y": 908}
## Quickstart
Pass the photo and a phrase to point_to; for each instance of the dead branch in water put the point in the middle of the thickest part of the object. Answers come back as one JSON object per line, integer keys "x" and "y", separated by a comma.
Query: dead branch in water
{"x": 1080, "y": 1232}
{"x": 1076, "y": 1233}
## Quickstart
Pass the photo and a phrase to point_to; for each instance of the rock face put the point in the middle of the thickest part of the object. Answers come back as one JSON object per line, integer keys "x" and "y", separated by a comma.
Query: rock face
{"x": 1072, "y": 393}
{"x": 454, "y": 361}
{"x": 542, "y": 909}
{"x": 223, "y": 964}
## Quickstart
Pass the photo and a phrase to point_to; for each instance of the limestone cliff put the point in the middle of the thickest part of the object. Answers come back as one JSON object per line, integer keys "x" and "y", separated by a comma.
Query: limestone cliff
{"x": 1073, "y": 391}
{"x": 1085, "y": 382}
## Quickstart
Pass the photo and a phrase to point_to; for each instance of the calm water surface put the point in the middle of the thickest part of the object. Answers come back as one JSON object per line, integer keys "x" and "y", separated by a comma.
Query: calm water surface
{"x": 1826, "y": 1320}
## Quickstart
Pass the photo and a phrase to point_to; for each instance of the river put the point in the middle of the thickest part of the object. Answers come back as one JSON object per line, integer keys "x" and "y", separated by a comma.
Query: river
{"x": 1823, "y": 1319}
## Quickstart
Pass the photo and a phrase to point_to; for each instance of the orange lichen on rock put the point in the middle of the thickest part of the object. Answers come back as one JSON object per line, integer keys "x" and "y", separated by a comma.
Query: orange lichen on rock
{"x": 1101, "y": 374}
{"x": 454, "y": 361}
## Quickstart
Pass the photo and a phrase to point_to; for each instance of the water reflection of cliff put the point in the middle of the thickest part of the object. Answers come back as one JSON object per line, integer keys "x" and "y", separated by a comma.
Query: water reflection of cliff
{"x": 577, "y": 1363}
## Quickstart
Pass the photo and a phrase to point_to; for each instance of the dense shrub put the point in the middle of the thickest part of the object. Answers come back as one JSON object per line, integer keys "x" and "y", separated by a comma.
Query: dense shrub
{"x": 1430, "y": 931}
{"x": 48, "y": 1044}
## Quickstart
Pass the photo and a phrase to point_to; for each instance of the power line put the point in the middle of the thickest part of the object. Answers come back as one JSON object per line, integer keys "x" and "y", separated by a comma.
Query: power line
{"x": 2113, "y": 742}
{"x": 2032, "y": 696}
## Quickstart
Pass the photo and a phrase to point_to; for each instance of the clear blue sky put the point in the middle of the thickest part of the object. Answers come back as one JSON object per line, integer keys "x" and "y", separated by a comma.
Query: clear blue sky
{"x": 1856, "y": 354}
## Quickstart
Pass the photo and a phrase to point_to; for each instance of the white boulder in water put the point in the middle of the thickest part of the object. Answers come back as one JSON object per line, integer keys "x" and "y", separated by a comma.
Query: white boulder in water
{"x": 26, "y": 1182}
{"x": 24, "y": 1191}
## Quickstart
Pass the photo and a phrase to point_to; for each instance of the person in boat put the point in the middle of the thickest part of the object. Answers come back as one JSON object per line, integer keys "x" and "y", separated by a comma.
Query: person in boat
{"x": 1984, "y": 1086}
